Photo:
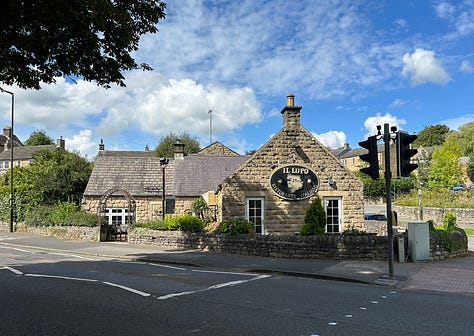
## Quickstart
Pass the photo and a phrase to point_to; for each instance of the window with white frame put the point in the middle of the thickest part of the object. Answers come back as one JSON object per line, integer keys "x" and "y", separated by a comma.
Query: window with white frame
{"x": 255, "y": 213}
{"x": 117, "y": 217}
{"x": 332, "y": 206}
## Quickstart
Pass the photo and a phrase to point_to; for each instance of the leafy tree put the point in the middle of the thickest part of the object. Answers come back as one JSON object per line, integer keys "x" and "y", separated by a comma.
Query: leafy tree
{"x": 38, "y": 138}
{"x": 431, "y": 135}
{"x": 464, "y": 137}
{"x": 445, "y": 170}
{"x": 470, "y": 169}
{"x": 54, "y": 176}
{"x": 166, "y": 146}
{"x": 375, "y": 189}
{"x": 93, "y": 39}
{"x": 315, "y": 219}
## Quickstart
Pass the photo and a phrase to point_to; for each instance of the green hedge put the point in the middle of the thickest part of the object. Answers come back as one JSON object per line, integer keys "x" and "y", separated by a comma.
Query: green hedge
{"x": 186, "y": 223}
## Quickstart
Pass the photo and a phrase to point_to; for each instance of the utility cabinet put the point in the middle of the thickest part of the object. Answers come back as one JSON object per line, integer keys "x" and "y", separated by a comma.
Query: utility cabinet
{"x": 419, "y": 241}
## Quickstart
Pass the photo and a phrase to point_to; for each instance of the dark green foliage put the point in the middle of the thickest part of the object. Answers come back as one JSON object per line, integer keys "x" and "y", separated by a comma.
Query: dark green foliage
{"x": 61, "y": 214}
{"x": 315, "y": 219}
{"x": 235, "y": 226}
{"x": 199, "y": 206}
{"x": 375, "y": 189}
{"x": 432, "y": 135}
{"x": 93, "y": 39}
{"x": 166, "y": 146}
{"x": 38, "y": 216}
{"x": 38, "y": 138}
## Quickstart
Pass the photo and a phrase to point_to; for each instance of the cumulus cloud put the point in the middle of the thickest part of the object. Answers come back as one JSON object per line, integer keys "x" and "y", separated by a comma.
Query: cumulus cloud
{"x": 332, "y": 139}
{"x": 422, "y": 67}
{"x": 149, "y": 104}
{"x": 371, "y": 123}
{"x": 82, "y": 143}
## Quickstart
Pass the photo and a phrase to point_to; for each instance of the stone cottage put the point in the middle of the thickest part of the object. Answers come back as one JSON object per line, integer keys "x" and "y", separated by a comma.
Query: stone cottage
{"x": 274, "y": 187}
{"x": 271, "y": 188}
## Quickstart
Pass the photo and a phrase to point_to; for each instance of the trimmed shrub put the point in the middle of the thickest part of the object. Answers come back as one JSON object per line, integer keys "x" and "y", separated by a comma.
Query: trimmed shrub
{"x": 186, "y": 223}
{"x": 235, "y": 226}
{"x": 190, "y": 223}
{"x": 315, "y": 219}
{"x": 449, "y": 221}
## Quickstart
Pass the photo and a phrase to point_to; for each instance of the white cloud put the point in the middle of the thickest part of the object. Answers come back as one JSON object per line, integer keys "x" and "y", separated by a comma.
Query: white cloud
{"x": 149, "y": 104}
{"x": 371, "y": 123}
{"x": 397, "y": 102}
{"x": 445, "y": 10}
{"x": 466, "y": 67}
{"x": 332, "y": 139}
{"x": 460, "y": 16}
{"x": 82, "y": 143}
{"x": 455, "y": 123}
{"x": 422, "y": 67}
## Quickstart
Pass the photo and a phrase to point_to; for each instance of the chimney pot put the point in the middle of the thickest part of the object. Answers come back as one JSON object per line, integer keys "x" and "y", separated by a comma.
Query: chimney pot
{"x": 290, "y": 100}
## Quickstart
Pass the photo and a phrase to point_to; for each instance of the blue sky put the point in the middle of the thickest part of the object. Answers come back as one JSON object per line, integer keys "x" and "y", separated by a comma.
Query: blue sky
{"x": 352, "y": 65}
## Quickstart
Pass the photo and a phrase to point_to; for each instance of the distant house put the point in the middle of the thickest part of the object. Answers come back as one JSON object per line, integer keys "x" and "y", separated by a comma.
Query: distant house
{"x": 23, "y": 155}
{"x": 272, "y": 188}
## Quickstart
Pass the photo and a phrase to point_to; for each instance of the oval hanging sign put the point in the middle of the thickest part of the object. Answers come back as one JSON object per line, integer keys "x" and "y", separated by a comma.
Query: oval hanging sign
{"x": 294, "y": 182}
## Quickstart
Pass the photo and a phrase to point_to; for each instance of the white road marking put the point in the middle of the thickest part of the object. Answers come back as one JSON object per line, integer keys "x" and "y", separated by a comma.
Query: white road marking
{"x": 223, "y": 272}
{"x": 217, "y": 286}
{"x": 16, "y": 249}
{"x": 58, "y": 277}
{"x": 71, "y": 255}
{"x": 11, "y": 269}
{"x": 135, "y": 291}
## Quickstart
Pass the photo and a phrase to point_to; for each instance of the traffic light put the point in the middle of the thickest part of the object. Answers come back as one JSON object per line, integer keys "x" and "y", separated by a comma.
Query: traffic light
{"x": 404, "y": 154}
{"x": 371, "y": 157}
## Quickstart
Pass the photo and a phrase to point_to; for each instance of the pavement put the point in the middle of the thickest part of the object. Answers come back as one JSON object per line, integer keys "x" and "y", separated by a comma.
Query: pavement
{"x": 452, "y": 275}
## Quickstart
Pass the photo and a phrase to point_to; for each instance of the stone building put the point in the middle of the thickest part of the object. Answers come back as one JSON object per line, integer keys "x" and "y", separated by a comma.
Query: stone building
{"x": 22, "y": 155}
{"x": 272, "y": 187}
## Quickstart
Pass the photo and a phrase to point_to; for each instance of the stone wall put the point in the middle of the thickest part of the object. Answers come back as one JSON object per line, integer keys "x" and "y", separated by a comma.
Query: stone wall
{"x": 465, "y": 217}
{"x": 313, "y": 247}
{"x": 65, "y": 232}
{"x": 459, "y": 246}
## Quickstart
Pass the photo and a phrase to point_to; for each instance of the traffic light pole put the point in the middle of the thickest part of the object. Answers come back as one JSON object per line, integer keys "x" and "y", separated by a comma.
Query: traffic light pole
{"x": 388, "y": 192}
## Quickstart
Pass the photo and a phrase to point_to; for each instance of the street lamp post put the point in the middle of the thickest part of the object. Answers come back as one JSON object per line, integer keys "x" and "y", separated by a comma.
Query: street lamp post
{"x": 12, "y": 197}
{"x": 163, "y": 163}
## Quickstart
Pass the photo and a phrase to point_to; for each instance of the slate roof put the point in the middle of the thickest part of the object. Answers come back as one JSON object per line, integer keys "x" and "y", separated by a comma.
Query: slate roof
{"x": 197, "y": 174}
{"x": 25, "y": 152}
{"x": 139, "y": 172}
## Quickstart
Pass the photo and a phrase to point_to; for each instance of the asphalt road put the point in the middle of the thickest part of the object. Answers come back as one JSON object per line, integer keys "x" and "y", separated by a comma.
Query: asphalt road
{"x": 51, "y": 294}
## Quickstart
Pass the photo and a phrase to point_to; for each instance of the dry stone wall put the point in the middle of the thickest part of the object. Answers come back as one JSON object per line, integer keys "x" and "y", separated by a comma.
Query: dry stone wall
{"x": 312, "y": 247}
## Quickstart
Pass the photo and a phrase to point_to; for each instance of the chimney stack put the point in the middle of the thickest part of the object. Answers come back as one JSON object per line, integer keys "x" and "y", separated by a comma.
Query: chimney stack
{"x": 179, "y": 150}
{"x": 61, "y": 143}
{"x": 291, "y": 113}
